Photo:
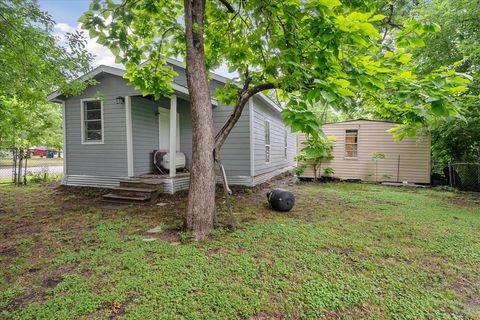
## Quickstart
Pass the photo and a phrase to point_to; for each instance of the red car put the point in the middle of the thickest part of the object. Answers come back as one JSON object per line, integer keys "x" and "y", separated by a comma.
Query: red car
{"x": 39, "y": 151}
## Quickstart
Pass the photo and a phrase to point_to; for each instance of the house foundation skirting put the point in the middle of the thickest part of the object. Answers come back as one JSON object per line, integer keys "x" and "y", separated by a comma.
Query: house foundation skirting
{"x": 171, "y": 185}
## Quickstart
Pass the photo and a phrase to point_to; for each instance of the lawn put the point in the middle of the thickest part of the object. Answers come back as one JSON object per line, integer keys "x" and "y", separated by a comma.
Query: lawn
{"x": 346, "y": 251}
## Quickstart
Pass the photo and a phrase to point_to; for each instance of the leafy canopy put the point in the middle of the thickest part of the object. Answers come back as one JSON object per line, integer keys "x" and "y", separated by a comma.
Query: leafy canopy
{"x": 310, "y": 51}
{"x": 24, "y": 125}
{"x": 33, "y": 62}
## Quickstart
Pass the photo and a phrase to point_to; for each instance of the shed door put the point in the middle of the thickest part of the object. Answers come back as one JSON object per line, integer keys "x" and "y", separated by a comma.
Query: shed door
{"x": 164, "y": 129}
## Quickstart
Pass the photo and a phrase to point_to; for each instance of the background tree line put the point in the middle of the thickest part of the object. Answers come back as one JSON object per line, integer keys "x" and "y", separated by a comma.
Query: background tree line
{"x": 33, "y": 63}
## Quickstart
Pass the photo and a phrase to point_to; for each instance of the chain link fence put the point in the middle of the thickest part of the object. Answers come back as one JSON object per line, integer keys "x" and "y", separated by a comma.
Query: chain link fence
{"x": 461, "y": 175}
{"x": 21, "y": 166}
{"x": 464, "y": 176}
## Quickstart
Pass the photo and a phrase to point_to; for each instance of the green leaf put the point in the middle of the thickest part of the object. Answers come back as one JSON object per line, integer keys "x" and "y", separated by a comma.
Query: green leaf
{"x": 438, "y": 108}
{"x": 458, "y": 89}
{"x": 345, "y": 92}
{"x": 405, "y": 58}
{"x": 94, "y": 5}
{"x": 377, "y": 17}
{"x": 329, "y": 3}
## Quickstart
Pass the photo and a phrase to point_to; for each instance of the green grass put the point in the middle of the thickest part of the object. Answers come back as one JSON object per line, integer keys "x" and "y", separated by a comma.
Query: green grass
{"x": 346, "y": 251}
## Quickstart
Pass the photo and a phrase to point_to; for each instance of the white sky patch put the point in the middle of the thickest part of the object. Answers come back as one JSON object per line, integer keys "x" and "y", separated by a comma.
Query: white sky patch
{"x": 102, "y": 54}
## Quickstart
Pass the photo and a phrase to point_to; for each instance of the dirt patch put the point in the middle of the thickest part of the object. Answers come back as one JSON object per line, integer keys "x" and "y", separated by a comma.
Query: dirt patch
{"x": 8, "y": 252}
{"x": 265, "y": 315}
{"x": 465, "y": 289}
{"x": 466, "y": 200}
{"x": 118, "y": 309}
{"x": 24, "y": 299}
{"x": 170, "y": 236}
{"x": 51, "y": 282}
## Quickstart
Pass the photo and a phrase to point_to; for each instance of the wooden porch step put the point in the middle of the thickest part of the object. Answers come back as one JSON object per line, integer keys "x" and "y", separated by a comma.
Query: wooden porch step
{"x": 112, "y": 197}
{"x": 142, "y": 184}
{"x": 134, "y": 195}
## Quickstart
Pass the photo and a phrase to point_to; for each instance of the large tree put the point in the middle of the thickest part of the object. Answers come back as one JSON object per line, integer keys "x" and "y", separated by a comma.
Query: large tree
{"x": 308, "y": 51}
{"x": 455, "y": 43}
{"x": 26, "y": 125}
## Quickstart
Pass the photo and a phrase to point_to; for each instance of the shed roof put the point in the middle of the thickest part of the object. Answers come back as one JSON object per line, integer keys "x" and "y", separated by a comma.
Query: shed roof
{"x": 362, "y": 119}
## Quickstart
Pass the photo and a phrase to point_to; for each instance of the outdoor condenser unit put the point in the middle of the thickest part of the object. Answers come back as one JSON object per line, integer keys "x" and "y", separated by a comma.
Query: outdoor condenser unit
{"x": 161, "y": 160}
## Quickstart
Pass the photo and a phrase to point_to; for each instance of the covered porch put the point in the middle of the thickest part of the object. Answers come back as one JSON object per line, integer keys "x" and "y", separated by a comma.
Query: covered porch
{"x": 162, "y": 126}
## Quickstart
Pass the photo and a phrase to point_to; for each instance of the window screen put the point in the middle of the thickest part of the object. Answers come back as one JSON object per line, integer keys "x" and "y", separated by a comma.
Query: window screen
{"x": 351, "y": 143}
{"x": 92, "y": 121}
{"x": 267, "y": 141}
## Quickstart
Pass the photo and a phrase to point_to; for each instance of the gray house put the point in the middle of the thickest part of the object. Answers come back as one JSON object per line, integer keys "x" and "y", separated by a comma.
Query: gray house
{"x": 111, "y": 131}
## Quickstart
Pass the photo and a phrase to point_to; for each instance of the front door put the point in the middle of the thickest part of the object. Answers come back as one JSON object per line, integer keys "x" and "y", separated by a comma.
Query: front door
{"x": 164, "y": 130}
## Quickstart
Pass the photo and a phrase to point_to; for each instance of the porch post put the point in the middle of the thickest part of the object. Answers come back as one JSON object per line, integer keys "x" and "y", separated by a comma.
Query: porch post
{"x": 173, "y": 135}
{"x": 129, "y": 130}
{"x": 64, "y": 126}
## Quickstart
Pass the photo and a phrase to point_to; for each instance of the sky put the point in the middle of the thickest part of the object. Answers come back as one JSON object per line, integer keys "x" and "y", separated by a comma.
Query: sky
{"x": 66, "y": 14}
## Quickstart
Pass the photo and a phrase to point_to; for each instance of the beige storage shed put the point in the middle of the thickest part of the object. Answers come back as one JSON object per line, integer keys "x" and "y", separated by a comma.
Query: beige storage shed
{"x": 357, "y": 140}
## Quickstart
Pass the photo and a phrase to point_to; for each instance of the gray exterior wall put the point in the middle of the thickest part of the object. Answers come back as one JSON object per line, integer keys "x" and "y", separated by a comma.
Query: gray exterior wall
{"x": 109, "y": 158}
{"x": 263, "y": 112}
{"x": 235, "y": 151}
{"x": 183, "y": 110}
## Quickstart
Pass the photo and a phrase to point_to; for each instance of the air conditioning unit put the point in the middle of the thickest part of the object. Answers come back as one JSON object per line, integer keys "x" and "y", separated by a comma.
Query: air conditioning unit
{"x": 161, "y": 160}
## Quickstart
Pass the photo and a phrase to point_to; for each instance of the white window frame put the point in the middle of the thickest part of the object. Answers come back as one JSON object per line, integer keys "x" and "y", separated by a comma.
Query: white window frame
{"x": 285, "y": 144}
{"x": 345, "y": 144}
{"x": 268, "y": 146}
{"x": 82, "y": 119}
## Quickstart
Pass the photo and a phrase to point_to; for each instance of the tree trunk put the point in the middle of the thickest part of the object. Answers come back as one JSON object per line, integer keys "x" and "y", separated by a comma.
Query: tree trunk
{"x": 201, "y": 196}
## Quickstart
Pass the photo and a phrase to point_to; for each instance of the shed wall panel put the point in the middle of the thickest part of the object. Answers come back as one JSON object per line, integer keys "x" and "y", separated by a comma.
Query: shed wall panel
{"x": 406, "y": 160}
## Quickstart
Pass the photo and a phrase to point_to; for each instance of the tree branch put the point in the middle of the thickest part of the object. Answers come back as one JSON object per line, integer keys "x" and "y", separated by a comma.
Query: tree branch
{"x": 243, "y": 97}
{"x": 229, "y": 7}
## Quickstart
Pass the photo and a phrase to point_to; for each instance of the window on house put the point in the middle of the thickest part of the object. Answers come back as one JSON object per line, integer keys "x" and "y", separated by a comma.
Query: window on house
{"x": 92, "y": 123}
{"x": 285, "y": 144}
{"x": 351, "y": 143}
{"x": 267, "y": 141}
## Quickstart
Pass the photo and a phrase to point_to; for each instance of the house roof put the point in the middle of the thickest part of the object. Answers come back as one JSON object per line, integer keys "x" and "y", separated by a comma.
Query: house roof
{"x": 55, "y": 96}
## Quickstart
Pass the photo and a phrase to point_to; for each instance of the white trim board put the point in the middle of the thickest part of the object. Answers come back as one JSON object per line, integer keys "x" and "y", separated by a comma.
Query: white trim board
{"x": 173, "y": 136}
{"x": 64, "y": 128}
{"x": 251, "y": 110}
{"x": 129, "y": 132}
{"x": 82, "y": 124}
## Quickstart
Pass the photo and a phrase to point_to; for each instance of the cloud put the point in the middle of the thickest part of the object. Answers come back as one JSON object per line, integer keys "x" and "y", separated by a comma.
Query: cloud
{"x": 102, "y": 54}
{"x": 64, "y": 28}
